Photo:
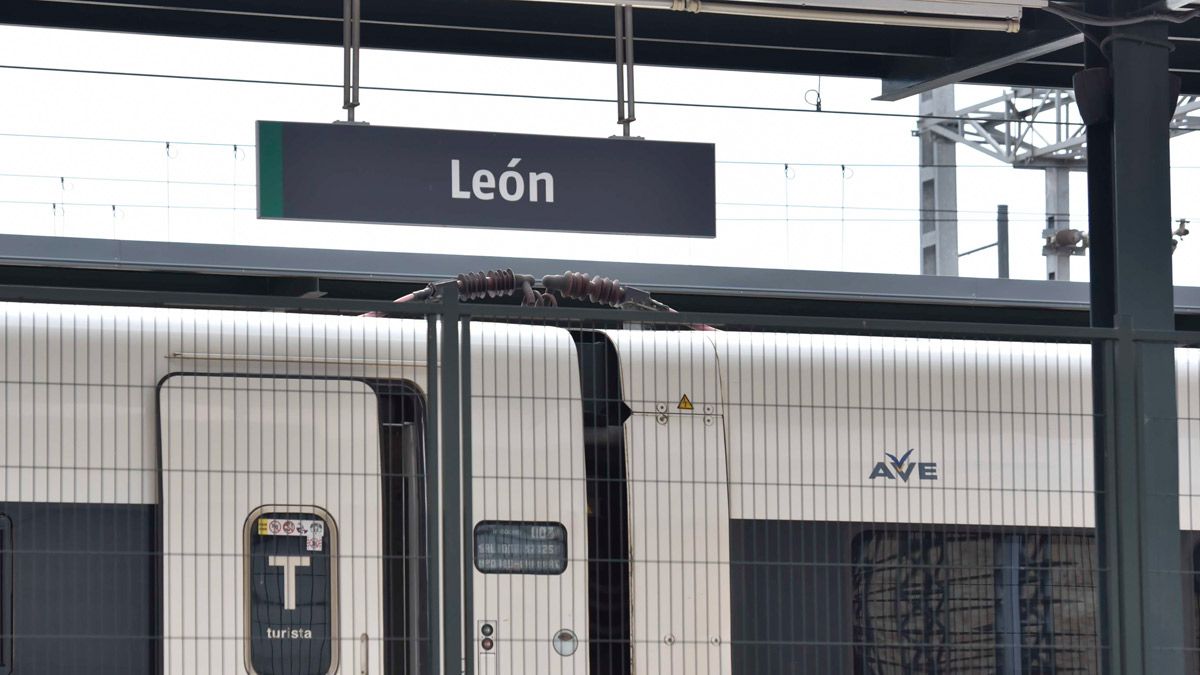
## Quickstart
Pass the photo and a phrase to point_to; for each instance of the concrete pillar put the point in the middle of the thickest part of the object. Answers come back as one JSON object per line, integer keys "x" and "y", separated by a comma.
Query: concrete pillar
{"x": 939, "y": 190}
{"x": 1058, "y": 217}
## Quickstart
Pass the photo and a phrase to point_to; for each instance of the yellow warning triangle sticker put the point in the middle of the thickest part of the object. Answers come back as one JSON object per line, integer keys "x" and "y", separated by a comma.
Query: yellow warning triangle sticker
{"x": 685, "y": 403}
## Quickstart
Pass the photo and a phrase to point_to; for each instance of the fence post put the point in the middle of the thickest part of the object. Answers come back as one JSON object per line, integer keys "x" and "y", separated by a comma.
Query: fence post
{"x": 452, "y": 554}
{"x": 1002, "y": 241}
{"x": 433, "y": 521}
{"x": 468, "y": 515}
{"x": 1126, "y": 98}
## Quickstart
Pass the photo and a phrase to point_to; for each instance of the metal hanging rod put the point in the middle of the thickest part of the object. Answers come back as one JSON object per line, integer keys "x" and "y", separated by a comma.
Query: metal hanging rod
{"x": 351, "y": 41}
{"x": 626, "y": 115}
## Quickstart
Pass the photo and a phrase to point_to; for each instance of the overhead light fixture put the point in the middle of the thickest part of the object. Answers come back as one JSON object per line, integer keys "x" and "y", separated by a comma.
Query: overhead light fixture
{"x": 992, "y": 15}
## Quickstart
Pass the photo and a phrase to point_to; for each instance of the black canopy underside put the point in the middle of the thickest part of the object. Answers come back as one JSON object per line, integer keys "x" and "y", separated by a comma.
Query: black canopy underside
{"x": 1046, "y": 53}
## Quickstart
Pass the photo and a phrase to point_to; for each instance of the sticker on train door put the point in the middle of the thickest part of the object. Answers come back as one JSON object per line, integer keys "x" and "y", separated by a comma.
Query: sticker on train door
{"x": 291, "y": 591}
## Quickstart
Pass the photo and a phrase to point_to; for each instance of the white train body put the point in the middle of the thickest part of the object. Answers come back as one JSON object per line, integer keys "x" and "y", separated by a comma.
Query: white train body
{"x": 146, "y": 453}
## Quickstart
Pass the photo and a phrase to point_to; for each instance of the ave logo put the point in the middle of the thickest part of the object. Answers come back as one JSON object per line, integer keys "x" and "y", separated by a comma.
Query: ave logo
{"x": 900, "y": 468}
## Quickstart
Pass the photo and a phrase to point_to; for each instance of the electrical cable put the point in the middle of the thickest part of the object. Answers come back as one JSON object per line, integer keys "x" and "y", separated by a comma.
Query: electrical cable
{"x": 1165, "y": 44}
{"x": 533, "y": 97}
{"x": 109, "y": 205}
{"x": 102, "y": 179}
{"x": 501, "y": 283}
{"x": 99, "y": 179}
{"x": 789, "y": 204}
{"x": 842, "y": 214}
{"x": 1031, "y": 218}
{"x": 730, "y": 162}
{"x": 109, "y": 139}
{"x": 815, "y": 100}
{"x": 788, "y": 176}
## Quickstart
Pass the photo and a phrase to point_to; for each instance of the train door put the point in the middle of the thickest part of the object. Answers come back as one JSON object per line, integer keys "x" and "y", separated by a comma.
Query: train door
{"x": 678, "y": 503}
{"x": 272, "y": 526}
{"x": 529, "y": 529}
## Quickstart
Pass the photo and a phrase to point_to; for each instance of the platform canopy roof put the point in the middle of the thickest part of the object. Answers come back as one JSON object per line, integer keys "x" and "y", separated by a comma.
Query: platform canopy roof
{"x": 912, "y": 45}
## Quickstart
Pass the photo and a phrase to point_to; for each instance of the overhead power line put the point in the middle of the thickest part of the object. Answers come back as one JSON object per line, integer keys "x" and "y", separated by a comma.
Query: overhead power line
{"x": 251, "y": 209}
{"x": 726, "y": 162}
{"x": 251, "y": 186}
{"x": 110, "y": 139}
{"x": 494, "y": 94}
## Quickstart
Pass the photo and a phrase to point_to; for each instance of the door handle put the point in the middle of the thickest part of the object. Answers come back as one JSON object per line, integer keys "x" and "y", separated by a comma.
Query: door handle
{"x": 366, "y": 654}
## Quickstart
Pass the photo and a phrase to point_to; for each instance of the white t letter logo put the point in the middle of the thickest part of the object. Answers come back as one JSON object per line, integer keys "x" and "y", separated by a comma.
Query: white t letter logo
{"x": 289, "y": 563}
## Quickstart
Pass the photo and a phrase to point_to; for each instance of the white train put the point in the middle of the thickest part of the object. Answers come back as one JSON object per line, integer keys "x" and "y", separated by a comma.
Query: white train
{"x": 197, "y": 492}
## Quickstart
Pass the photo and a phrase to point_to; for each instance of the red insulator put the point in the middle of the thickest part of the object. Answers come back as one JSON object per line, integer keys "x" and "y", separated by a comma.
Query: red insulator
{"x": 600, "y": 290}
{"x": 490, "y": 284}
{"x": 605, "y": 291}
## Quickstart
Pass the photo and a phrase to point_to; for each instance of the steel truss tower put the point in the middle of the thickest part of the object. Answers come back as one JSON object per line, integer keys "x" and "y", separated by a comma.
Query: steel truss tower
{"x": 1027, "y": 128}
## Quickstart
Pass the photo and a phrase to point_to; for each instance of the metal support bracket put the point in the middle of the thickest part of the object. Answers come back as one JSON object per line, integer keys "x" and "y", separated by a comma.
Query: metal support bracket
{"x": 1037, "y": 128}
{"x": 351, "y": 42}
{"x": 1060, "y": 247}
{"x": 1062, "y": 242}
{"x": 626, "y": 115}
{"x": 1001, "y": 243}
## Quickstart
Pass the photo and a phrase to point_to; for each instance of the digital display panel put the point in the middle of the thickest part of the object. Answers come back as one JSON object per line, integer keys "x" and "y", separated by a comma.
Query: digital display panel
{"x": 292, "y": 604}
{"x": 507, "y": 547}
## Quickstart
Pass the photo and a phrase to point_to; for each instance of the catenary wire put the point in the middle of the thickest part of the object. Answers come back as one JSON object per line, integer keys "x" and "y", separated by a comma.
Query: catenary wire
{"x": 531, "y": 97}
{"x": 790, "y": 205}
{"x": 1032, "y": 218}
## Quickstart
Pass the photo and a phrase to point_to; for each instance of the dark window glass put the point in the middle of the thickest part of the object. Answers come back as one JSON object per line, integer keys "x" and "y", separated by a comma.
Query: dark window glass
{"x": 405, "y": 544}
{"x": 610, "y": 649}
{"x": 1196, "y": 600}
{"x": 1057, "y": 579}
{"x": 971, "y": 602}
{"x": 292, "y": 594}
{"x": 506, "y": 547}
{"x": 6, "y": 591}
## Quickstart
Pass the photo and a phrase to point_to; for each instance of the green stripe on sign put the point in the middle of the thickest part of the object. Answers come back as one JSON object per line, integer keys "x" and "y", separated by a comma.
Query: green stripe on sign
{"x": 270, "y": 170}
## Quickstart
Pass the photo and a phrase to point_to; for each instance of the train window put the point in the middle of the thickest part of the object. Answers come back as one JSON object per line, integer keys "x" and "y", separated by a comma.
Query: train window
{"x": 954, "y": 601}
{"x": 508, "y": 547}
{"x": 604, "y": 416}
{"x": 6, "y": 591}
{"x": 291, "y": 572}
{"x": 1195, "y": 564}
{"x": 405, "y": 544}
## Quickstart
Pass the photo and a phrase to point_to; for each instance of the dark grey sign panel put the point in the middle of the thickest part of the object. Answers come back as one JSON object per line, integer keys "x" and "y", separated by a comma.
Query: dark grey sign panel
{"x": 395, "y": 175}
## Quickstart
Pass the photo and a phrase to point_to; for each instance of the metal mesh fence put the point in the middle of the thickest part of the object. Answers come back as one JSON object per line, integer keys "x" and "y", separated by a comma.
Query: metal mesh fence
{"x": 1187, "y": 365}
{"x": 192, "y": 491}
{"x": 203, "y": 492}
